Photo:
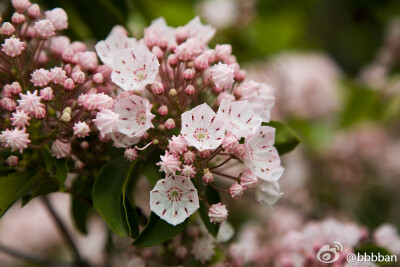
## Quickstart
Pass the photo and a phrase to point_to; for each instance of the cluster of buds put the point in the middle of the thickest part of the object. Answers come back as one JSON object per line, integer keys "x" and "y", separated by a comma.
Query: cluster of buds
{"x": 51, "y": 87}
{"x": 173, "y": 72}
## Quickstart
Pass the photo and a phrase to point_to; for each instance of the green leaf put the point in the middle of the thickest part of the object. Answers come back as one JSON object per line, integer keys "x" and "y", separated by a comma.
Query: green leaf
{"x": 150, "y": 170}
{"x": 5, "y": 169}
{"x": 108, "y": 198}
{"x": 49, "y": 185}
{"x": 13, "y": 186}
{"x": 212, "y": 197}
{"x": 158, "y": 231}
{"x": 80, "y": 211}
{"x": 285, "y": 137}
{"x": 373, "y": 249}
{"x": 56, "y": 167}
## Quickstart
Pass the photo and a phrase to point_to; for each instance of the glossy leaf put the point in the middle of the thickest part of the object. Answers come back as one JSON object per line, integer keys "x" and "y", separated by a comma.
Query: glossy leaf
{"x": 108, "y": 198}
{"x": 285, "y": 137}
{"x": 212, "y": 197}
{"x": 158, "y": 231}
{"x": 150, "y": 169}
{"x": 49, "y": 185}
{"x": 56, "y": 167}
{"x": 13, "y": 186}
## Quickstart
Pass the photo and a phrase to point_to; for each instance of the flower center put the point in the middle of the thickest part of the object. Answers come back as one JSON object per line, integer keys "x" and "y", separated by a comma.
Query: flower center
{"x": 141, "y": 117}
{"x": 174, "y": 194}
{"x": 140, "y": 74}
{"x": 201, "y": 134}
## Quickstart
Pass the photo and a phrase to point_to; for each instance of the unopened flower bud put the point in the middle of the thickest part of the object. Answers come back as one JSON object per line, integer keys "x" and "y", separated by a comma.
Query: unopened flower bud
{"x": 248, "y": 179}
{"x": 162, "y": 43}
{"x": 15, "y": 88}
{"x": 205, "y": 153}
{"x": 47, "y": 94}
{"x": 79, "y": 165}
{"x": 68, "y": 56}
{"x": 169, "y": 124}
{"x": 190, "y": 89}
{"x": 173, "y": 92}
{"x": 201, "y": 63}
{"x": 84, "y": 145}
{"x": 34, "y": 11}
{"x": 12, "y": 160}
{"x": 181, "y": 34}
{"x": 7, "y": 28}
{"x": 40, "y": 113}
{"x": 66, "y": 117}
{"x": 98, "y": 78}
{"x": 217, "y": 213}
{"x": 17, "y": 18}
{"x": 69, "y": 84}
{"x": 157, "y": 88}
{"x": 163, "y": 110}
{"x": 67, "y": 110}
{"x": 44, "y": 28}
{"x": 81, "y": 129}
{"x": 172, "y": 60}
{"x": 208, "y": 177}
{"x": 188, "y": 74}
{"x": 155, "y": 142}
{"x": 78, "y": 77}
{"x": 161, "y": 127}
{"x": 240, "y": 75}
{"x": 157, "y": 52}
{"x": 130, "y": 154}
{"x": 20, "y": 5}
{"x": 236, "y": 190}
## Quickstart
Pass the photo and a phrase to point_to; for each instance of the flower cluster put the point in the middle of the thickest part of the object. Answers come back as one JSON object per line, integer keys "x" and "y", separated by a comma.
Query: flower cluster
{"x": 206, "y": 117}
{"x": 52, "y": 87}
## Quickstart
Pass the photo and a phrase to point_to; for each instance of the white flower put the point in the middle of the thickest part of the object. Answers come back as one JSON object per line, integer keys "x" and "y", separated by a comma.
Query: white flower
{"x": 174, "y": 199}
{"x": 122, "y": 140}
{"x": 134, "y": 68}
{"x": 134, "y": 115}
{"x": 114, "y": 43}
{"x": 106, "y": 121}
{"x": 202, "y": 128}
{"x": 268, "y": 192}
{"x": 261, "y": 157}
{"x": 242, "y": 121}
{"x": 203, "y": 33}
{"x": 203, "y": 249}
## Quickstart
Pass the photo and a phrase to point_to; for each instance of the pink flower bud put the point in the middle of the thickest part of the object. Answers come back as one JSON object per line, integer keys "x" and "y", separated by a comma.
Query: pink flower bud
{"x": 201, "y": 63}
{"x": 44, "y": 28}
{"x": 222, "y": 52}
{"x": 15, "y": 88}
{"x": 7, "y": 28}
{"x": 40, "y": 113}
{"x": 81, "y": 129}
{"x": 162, "y": 43}
{"x": 157, "y": 88}
{"x": 248, "y": 179}
{"x": 189, "y": 157}
{"x": 157, "y": 52}
{"x": 69, "y": 84}
{"x": 208, "y": 177}
{"x": 12, "y": 161}
{"x": 58, "y": 17}
{"x": 130, "y": 154}
{"x": 210, "y": 55}
{"x": 87, "y": 60}
{"x": 218, "y": 213}
{"x": 7, "y": 91}
{"x": 30, "y": 32}
{"x": 170, "y": 124}
{"x": 34, "y": 11}
{"x": 230, "y": 143}
{"x": 8, "y": 103}
{"x": 188, "y": 74}
{"x": 105, "y": 70}
{"x": 58, "y": 75}
{"x": 240, "y": 75}
{"x": 46, "y": 94}
{"x": 18, "y": 18}
{"x": 181, "y": 34}
{"x": 98, "y": 78}
{"x": 42, "y": 58}
{"x": 172, "y": 60}
{"x": 84, "y": 145}
{"x": 163, "y": 110}
{"x": 68, "y": 56}
{"x": 78, "y": 46}
{"x": 236, "y": 190}
{"x": 20, "y": 5}
{"x": 205, "y": 153}
{"x": 190, "y": 89}
{"x": 78, "y": 77}
{"x": 40, "y": 77}
{"x": 13, "y": 47}
{"x": 79, "y": 165}
{"x": 58, "y": 45}
{"x": 240, "y": 151}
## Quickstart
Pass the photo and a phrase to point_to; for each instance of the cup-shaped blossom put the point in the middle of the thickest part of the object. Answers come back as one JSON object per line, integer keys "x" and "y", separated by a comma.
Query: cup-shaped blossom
{"x": 202, "y": 128}
{"x": 268, "y": 192}
{"x": 114, "y": 43}
{"x": 261, "y": 157}
{"x": 135, "y": 115}
{"x": 174, "y": 199}
{"x": 134, "y": 68}
{"x": 240, "y": 117}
